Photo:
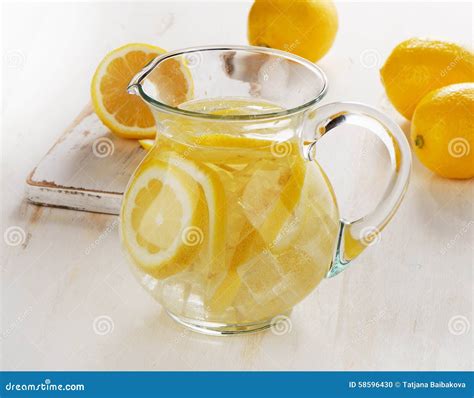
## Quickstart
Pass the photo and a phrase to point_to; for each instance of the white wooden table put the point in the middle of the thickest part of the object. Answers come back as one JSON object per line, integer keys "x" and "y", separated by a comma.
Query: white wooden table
{"x": 69, "y": 300}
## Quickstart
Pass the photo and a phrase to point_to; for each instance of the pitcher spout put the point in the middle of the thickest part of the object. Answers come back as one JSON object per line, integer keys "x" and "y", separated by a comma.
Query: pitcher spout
{"x": 133, "y": 89}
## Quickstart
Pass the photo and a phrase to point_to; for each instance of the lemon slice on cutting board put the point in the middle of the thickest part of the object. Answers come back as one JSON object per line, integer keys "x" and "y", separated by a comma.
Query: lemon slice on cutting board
{"x": 125, "y": 114}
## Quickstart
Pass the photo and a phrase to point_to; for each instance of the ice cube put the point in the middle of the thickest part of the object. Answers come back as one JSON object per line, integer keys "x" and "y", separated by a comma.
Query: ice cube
{"x": 261, "y": 275}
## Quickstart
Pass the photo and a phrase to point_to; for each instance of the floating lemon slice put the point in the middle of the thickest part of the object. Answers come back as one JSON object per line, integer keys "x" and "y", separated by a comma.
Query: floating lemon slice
{"x": 164, "y": 217}
{"x": 283, "y": 207}
{"x": 250, "y": 245}
{"x": 215, "y": 201}
{"x": 255, "y": 239}
{"x": 216, "y": 140}
{"x": 219, "y": 148}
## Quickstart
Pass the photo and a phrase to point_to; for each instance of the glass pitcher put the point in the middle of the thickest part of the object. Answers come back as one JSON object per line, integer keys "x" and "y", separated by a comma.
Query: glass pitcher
{"x": 229, "y": 221}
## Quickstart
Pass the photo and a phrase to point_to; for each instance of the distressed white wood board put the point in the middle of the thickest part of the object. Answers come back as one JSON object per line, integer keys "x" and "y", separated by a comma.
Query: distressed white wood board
{"x": 88, "y": 168}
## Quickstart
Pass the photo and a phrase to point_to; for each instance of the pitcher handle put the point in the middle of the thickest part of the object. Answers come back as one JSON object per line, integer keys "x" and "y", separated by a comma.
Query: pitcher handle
{"x": 354, "y": 236}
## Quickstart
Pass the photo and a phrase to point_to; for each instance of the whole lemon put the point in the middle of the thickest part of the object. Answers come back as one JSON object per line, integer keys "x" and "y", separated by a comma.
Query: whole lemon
{"x": 305, "y": 28}
{"x": 417, "y": 66}
{"x": 442, "y": 131}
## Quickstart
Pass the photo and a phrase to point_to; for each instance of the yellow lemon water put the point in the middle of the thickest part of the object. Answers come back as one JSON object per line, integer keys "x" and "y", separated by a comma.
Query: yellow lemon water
{"x": 224, "y": 226}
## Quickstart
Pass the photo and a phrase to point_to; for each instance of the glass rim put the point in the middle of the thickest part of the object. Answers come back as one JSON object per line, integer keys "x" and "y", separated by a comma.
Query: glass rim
{"x": 135, "y": 85}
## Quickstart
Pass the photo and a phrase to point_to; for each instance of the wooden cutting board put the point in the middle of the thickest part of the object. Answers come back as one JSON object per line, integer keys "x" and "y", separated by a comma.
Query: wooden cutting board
{"x": 87, "y": 169}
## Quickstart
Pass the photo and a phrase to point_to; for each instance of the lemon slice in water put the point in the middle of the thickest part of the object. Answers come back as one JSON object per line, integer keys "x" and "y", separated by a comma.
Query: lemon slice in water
{"x": 163, "y": 219}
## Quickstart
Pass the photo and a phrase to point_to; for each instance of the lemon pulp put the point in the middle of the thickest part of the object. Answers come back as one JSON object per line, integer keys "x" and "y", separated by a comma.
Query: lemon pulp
{"x": 226, "y": 222}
